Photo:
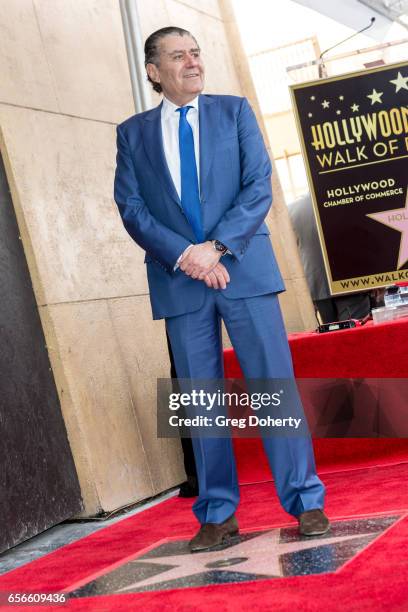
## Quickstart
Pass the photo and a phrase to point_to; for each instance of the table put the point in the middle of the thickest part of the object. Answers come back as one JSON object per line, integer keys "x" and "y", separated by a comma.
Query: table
{"x": 369, "y": 351}
{"x": 373, "y": 351}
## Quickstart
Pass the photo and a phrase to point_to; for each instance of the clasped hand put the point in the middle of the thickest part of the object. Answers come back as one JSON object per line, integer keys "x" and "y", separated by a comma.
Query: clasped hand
{"x": 202, "y": 262}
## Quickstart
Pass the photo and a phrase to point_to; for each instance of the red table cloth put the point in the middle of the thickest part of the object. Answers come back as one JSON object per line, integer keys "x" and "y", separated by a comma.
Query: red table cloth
{"x": 370, "y": 351}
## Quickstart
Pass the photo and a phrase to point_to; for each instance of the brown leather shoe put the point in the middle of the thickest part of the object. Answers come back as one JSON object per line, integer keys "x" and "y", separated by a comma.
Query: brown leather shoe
{"x": 213, "y": 534}
{"x": 313, "y": 522}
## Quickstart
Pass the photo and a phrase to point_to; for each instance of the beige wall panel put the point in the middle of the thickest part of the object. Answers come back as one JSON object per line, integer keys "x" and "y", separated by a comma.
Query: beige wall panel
{"x": 25, "y": 76}
{"x": 98, "y": 385}
{"x": 162, "y": 13}
{"x": 297, "y": 306}
{"x": 278, "y": 243}
{"x": 308, "y": 320}
{"x": 63, "y": 168}
{"x": 85, "y": 49}
{"x": 72, "y": 413}
{"x": 153, "y": 16}
{"x": 221, "y": 77}
{"x": 145, "y": 358}
{"x": 282, "y": 133}
{"x": 292, "y": 267}
{"x": 290, "y": 308}
{"x": 240, "y": 60}
{"x": 210, "y": 7}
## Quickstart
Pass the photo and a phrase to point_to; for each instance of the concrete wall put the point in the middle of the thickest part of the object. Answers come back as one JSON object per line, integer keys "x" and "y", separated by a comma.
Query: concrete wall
{"x": 65, "y": 84}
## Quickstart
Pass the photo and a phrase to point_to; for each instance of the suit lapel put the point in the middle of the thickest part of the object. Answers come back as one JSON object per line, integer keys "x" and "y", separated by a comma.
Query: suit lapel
{"x": 153, "y": 144}
{"x": 209, "y": 111}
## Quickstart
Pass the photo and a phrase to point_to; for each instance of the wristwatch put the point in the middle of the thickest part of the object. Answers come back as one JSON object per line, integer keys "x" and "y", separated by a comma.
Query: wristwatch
{"x": 218, "y": 246}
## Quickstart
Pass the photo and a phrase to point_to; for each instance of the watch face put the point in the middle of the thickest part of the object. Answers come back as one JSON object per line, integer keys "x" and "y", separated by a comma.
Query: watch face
{"x": 219, "y": 246}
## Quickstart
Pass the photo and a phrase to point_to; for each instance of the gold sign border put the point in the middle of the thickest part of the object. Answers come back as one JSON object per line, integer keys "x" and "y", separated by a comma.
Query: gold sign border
{"x": 396, "y": 276}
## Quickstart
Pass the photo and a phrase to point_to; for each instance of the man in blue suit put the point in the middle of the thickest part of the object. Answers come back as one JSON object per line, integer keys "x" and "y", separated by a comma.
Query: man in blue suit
{"x": 193, "y": 187}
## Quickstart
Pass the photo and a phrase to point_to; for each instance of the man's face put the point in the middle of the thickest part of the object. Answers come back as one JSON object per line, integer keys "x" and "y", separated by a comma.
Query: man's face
{"x": 180, "y": 70}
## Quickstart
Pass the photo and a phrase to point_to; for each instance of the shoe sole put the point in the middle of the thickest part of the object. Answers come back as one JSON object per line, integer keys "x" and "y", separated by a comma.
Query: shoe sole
{"x": 315, "y": 533}
{"x": 224, "y": 540}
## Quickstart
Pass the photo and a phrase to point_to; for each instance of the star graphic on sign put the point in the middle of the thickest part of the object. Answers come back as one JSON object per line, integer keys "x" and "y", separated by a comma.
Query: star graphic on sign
{"x": 310, "y": 115}
{"x": 260, "y": 555}
{"x": 313, "y": 98}
{"x": 338, "y": 112}
{"x": 375, "y": 97}
{"x": 341, "y": 97}
{"x": 397, "y": 219}
{"x": 325, "y": 104}
{"x": 355, "y": 107}
{"x": 400, "y": 82}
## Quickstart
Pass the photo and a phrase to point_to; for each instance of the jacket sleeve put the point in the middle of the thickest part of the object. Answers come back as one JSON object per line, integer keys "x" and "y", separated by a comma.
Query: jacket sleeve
{"x": 250, "y": 207}
{"x": 162, "y": 243}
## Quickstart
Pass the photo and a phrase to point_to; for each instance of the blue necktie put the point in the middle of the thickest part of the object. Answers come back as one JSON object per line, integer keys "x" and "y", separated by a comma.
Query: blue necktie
{"x": 190, "y": 195}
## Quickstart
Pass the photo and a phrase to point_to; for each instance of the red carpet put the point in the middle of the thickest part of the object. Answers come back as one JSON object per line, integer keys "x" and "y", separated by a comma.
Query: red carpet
{"x": 376, "y": 579}
{"x": 331, "y": 455}
{"x": 364, "y": 477}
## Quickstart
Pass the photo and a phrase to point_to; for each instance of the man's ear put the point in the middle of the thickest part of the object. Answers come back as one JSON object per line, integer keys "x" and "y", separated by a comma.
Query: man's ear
{"x": 153, "y": 72}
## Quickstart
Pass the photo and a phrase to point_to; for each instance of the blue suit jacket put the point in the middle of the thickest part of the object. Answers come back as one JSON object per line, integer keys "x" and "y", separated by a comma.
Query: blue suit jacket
{"x": 235, "y": 189}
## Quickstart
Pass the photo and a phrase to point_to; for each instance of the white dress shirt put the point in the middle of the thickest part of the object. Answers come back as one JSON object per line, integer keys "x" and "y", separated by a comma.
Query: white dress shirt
{"x": 170, "y": 130}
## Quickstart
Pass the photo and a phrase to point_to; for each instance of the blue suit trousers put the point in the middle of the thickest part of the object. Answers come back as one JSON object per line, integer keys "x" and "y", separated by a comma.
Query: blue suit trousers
{"x": 257, "y": 333}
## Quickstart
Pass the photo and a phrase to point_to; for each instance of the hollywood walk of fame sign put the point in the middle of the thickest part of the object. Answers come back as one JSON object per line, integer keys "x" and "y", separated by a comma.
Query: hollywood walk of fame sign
{"x": 354, "y": 134}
